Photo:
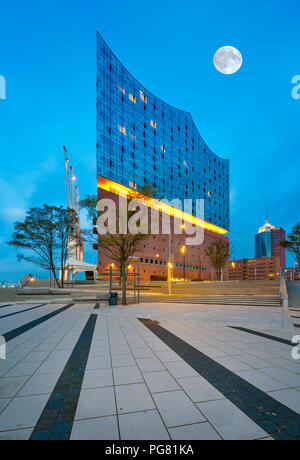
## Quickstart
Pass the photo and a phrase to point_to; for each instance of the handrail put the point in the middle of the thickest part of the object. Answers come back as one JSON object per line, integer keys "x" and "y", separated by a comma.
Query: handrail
{"x": 284, "y": 292}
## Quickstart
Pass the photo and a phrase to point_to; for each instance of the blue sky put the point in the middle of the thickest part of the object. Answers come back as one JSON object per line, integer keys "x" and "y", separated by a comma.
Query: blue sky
{"x": 48, "y": 57}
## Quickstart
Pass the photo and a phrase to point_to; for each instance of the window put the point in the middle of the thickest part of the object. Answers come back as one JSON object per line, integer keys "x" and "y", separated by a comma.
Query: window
{"x": 132, "y": 98}
{"x": 121, "y": 89}
{"x": 132, "y": 185}
{"x": 153, "y": 124}
{"x": 122, "y": 129}
{"x": 143, "y": 97}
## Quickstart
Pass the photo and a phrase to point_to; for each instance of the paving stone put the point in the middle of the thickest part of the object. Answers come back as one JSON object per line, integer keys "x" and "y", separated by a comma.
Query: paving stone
{"x": 97, "y": 378}
{"x": 161, "y": 381}
{"x": 9, "y": 387}
{"x": 22, "y": 412}
{"x": 261, "y": 380}
{"x": 3, "y": 403}
{"x": 168, "y": 356}
{"x": 98, "y": 362}
{"x": 232, "y": 364}
{"x": 289, "y": 398}
{"x": 15, "y": 435}
{"x": 142, "y": 426}
{"x": 197, "y": 432}
{"x": 181, "y": 369}
{"x": 127, "y": 375}
{"x": 254, "y": 362}
{"x": 286, "y": 377}
{"x": 150, "y": 364}
{"x": 26, "y": 368}
{"x": 230, "y": 422}
{"x": 133, "y": 398}
{"x": 143, "y": 353}
{"x": 94, "y": 403}
{"x": 51, "y": 366}
{"x": 199, "y": 390}
{"x": 39, "y": 384}
{"x": 177, "y": 409}
{"x": 96, "y": 429}
{"x": 120, "y": 350}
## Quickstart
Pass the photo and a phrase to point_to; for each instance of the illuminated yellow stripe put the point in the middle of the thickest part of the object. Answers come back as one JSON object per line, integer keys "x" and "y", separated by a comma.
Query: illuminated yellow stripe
{"x": 118, "y": 189}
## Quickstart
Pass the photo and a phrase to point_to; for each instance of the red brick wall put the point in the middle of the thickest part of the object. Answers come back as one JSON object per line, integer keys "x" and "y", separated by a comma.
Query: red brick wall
{"x": 155, "y": 250}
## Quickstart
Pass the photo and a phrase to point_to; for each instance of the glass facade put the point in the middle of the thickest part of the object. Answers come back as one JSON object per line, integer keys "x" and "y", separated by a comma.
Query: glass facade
{"x": 263, "y": 246}
{"x": 141, "y": 139}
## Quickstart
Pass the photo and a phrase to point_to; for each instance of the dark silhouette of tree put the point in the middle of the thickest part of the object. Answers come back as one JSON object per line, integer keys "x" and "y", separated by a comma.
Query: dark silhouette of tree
{"x": 120, "y": 248}
{"x": 292, "y": 244}
{"x": 218, "y": 253}
{"x": 46, "y": 238}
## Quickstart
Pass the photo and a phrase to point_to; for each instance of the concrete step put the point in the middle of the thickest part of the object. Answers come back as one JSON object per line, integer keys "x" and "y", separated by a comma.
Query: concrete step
{"x": 262, "y": 301}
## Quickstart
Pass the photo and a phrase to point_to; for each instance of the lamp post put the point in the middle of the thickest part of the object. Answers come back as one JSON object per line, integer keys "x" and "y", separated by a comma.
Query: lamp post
{"x": 170, "y": 267}
{"x": 183, "y": 252}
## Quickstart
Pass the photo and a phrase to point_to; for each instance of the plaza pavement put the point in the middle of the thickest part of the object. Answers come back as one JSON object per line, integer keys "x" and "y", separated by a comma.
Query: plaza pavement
{"x": 148, "y": 372}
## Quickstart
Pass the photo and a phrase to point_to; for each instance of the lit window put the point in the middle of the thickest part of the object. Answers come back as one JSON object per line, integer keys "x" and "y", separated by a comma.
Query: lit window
{"x": 132, "y": 98}
{"x": 143, "y": 97}
{"x": 163, "y": 148}
{"x": 209, "y": 194}
{"x": 121, "y": 89}
{"x": 122, "y": 129}
{"x": 132, "y": 185}
{"x": 153, "y": 124}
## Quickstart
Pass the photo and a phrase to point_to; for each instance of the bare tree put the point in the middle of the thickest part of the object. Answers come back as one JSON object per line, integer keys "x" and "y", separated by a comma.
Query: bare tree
{"x": 45, "y": 238}
{"x": 292, "y": 244}
{"x": 218, "y": 253}
{"x": 120, "y": 248}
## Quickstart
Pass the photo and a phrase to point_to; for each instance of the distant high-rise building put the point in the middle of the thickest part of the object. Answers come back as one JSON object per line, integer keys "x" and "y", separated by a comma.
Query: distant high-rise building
{"x": 263, "y": 268}
{"x": 278, "y": 234}
{"x": 267, "y": 243}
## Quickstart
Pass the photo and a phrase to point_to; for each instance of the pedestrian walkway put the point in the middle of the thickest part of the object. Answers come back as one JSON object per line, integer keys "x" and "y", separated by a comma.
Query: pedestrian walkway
{"x": 293, "y": 288}
{"x": 148, "y": 372}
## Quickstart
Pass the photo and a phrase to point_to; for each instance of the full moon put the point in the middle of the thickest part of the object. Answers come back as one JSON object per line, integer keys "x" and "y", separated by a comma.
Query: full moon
{"x": 228, "y": 60}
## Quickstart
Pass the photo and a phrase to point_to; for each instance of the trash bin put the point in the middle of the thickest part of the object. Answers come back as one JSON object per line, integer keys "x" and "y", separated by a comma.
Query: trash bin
{"x": 113, "y": 299}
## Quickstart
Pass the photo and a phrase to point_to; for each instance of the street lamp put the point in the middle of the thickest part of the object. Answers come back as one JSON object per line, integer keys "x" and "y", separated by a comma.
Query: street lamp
{"x": 170, "y": 268}
{"x": 183, "y": 252}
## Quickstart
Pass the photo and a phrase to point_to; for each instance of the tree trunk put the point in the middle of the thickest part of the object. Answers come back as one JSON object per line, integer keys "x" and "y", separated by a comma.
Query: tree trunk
{"x": 123, "y": 276}
{"x": 55, "y": 277}
{"x": 62, "y": 271}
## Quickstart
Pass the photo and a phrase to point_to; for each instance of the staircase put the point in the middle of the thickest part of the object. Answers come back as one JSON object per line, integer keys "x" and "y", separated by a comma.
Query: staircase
{"x": 239, "y": 300}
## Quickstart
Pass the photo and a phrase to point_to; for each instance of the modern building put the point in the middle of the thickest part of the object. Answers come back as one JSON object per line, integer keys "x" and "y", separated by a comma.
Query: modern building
{"x": 143, "y": 140}
{"x": 278, "y": 235}
{"x": 267, "y": 243}
{"x": 264, "y": 268}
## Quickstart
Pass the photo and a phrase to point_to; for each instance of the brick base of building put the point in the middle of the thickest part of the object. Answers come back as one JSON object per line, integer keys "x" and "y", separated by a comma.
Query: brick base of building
{"x": 152, "y": 257}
